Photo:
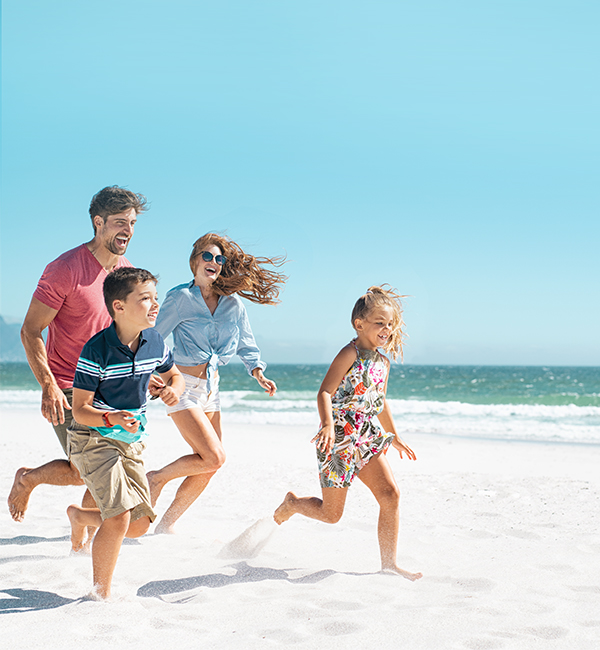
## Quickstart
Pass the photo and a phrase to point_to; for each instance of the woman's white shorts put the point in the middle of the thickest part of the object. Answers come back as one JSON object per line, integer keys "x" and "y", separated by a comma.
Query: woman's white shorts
{"x": 195, "y": 396}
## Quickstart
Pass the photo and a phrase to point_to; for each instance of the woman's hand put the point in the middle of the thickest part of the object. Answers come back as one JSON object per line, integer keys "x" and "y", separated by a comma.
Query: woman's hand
{"x": 325, "y": 438}
{"x": 269, "y": 385}
{"x": 403, "y": 448}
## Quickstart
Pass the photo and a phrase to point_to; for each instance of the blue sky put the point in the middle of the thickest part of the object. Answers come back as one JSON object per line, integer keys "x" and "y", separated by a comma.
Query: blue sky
{"x": 450, "y": 149}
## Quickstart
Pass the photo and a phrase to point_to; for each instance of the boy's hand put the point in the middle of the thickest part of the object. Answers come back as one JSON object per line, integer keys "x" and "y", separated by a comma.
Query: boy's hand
{"x": 169, "y": 396}
{"x": 125, "y": 419}
{"x": 325, "y": 438}
{"x": 402, "y": 447}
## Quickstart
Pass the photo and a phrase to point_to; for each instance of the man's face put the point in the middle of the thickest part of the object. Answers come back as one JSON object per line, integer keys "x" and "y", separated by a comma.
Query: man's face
{"x": 116, "y": 232}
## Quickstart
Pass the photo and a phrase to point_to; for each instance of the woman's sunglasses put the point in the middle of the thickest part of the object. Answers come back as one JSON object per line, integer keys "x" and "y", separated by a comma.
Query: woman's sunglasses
{"x": 208, "y": 257}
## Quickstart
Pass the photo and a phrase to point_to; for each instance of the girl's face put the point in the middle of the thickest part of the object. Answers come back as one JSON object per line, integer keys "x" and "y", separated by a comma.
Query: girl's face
{"x": 374, "y": 330}
{"x": 208, "y": 272}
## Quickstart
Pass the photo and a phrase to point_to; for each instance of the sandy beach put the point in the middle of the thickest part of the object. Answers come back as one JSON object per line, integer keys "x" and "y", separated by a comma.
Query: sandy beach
{"x": 505, "y": 533}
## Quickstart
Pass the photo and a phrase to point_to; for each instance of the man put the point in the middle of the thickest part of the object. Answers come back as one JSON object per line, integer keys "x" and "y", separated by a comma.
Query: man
{"x": 69, "y": 302}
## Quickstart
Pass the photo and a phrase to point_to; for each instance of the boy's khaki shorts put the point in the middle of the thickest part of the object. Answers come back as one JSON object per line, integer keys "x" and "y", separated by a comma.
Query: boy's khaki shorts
{"x": 113, "y": 472}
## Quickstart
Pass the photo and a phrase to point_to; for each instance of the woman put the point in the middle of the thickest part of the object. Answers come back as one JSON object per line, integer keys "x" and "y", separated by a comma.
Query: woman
{"x": 209, "y": 325}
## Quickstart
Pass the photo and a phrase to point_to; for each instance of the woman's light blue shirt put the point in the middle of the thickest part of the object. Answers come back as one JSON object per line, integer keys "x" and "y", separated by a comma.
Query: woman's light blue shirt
{"x": 202, "y": 337}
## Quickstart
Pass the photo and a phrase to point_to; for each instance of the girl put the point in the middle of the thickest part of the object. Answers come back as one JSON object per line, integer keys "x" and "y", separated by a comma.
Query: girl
{"x": 350, "y": 443}
{"x": 210, "y": 325}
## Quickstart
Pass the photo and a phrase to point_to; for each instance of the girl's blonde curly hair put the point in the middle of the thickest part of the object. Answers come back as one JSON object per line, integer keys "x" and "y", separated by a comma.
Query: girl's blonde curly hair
{"x": 384, "y": 296}
{"x": 242, "y": 273}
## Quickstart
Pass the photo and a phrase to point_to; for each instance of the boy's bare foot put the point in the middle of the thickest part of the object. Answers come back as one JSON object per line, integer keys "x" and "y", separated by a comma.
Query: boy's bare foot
{"x": 78, "y": 534}
{"x": 18, "y": 499}
{"x": 286, "y": 509}
{"x": 164, "y": 529}
{"x": 155, "y": 487}
{"x": 396, "y": 570}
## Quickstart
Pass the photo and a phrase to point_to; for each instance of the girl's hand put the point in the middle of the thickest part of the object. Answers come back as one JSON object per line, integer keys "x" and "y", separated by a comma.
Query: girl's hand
{"x": 269, "y": 386}
{"x": 402, "y": 447}
{"x": 169, "y": 396}
{"x": 325, "y": 439}
{"x": 125, "y": 419}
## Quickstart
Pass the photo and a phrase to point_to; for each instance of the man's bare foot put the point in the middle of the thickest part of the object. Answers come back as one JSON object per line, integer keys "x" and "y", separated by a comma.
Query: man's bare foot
{"x": 156, "y": 486}
{"x": 286, "y": 509}
{"x": 396, "y": 570}
{"x": 18, "y": 499}
{"x": 163, "y": 528}
{"x": 78, "y": 534}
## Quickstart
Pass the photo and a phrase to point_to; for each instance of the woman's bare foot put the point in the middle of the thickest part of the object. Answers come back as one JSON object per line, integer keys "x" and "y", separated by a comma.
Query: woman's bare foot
{"x": 156, "y": 486}
{"x": 163, "y": 528}
{"x": 286, "y": 509}
{"x": 18, "y": 499}
{"x": 78, "y": 534}
{"x": 396, "y": 570}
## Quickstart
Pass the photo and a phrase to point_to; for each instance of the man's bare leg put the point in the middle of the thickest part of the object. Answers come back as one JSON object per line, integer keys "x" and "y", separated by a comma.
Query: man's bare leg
{"x": 56, "y": 472}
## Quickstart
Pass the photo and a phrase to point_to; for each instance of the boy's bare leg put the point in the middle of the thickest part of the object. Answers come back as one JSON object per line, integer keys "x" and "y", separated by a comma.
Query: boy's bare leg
{"x": 378, "y": 477}
{"x": 80, "y": 519}
{"x": 56, "y": 472}
{"x": 105, "y": 551}
{"x": 202, "y": 431}
{"x": 328, "y": 509}
{"x": 88, "y": 502}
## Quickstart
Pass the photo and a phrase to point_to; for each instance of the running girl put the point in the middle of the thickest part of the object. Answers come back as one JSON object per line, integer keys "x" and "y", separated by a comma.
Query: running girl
{"x": 210, "y": 325}
{"x": 350, "y": 443}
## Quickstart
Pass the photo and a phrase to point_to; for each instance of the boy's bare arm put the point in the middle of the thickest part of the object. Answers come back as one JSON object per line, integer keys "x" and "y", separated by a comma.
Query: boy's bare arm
{"x": 85, "y": 413}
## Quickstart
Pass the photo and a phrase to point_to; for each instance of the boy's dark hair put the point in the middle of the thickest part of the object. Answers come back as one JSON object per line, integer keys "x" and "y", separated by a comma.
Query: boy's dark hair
{"x": 119, "y": 283}
{"x": 114, "y": 200}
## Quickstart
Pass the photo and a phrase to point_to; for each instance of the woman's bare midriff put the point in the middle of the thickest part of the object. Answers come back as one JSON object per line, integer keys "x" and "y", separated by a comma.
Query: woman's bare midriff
{"x": 196, "y": 371}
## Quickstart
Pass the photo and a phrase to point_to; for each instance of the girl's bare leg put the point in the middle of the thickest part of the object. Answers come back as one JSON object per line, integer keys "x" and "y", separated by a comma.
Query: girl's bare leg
{"x": 328, "y": 509}
{"x": 202, "y": 431}
{"x": 378, "y": 477}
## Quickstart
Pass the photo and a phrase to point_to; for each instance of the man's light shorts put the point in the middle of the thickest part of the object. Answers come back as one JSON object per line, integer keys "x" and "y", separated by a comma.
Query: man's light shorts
{"x": 113, "y": 472}
{"x": 195, "y": 396}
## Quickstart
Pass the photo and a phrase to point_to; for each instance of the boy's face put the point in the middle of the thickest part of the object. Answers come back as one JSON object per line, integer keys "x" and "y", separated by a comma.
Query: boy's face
{"x": 140, "y": 308}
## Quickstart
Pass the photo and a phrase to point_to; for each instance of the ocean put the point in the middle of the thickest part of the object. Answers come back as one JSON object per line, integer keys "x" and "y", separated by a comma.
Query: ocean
{"x": 529, "y": 403}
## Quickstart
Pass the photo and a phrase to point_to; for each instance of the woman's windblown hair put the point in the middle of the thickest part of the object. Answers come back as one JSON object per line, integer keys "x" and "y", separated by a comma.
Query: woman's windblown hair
{"x": 242, "y": 273}
{"x": 384, "y": 296}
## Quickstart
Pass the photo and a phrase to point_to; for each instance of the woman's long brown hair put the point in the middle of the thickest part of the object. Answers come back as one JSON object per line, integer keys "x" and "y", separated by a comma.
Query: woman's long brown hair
{"x": 243, "y": 273}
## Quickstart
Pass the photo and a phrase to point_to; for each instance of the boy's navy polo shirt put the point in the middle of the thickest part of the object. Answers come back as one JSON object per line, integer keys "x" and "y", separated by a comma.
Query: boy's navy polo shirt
{"x": 118, "y": 377}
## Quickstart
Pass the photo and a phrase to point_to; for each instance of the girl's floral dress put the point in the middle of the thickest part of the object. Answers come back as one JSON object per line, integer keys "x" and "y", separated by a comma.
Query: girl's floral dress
{"x": 358, "y": 399}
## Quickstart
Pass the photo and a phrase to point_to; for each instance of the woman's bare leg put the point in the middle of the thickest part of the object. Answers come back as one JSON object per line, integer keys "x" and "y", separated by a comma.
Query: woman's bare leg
{"x": 202, "y": 431}
{"x": 328, "y": 509}
{"x": 378, "y": 477}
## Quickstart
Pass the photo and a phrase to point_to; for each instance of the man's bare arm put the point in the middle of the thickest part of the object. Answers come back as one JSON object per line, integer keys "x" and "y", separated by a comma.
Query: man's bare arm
{"x": 38, "y": 317}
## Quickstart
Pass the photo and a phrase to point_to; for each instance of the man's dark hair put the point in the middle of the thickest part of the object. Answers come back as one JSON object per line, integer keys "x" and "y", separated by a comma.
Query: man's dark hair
{"x": 119, "y": 283}
{"x": 114, "y": 200}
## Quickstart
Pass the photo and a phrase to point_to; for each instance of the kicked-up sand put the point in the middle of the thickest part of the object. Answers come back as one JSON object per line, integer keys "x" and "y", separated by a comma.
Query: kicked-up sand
{"x": 506, "y": 535}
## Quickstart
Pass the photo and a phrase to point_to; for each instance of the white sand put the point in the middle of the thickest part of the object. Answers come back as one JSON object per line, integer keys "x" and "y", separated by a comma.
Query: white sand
{"x": 506, "y": 535}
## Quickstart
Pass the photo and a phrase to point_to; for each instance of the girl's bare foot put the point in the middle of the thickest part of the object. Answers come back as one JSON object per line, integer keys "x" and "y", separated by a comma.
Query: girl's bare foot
{"x": 286, "y": 509}
{"x": 18, "y": 499}
{"x": 78, "y": 533}
{"x": 156, "y": 486}
{"x": 396, "y": 570}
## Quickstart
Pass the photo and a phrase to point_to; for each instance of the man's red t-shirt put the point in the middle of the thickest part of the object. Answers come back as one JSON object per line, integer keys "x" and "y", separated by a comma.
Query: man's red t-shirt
{"x": 72, "y": 284}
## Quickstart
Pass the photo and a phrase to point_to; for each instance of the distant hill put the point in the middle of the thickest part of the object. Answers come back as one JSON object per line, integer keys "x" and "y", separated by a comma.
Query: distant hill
{"x": 11, "y": 348}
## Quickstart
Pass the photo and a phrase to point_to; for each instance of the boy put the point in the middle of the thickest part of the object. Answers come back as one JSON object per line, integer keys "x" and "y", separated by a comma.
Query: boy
{"x": 109, "y": 401}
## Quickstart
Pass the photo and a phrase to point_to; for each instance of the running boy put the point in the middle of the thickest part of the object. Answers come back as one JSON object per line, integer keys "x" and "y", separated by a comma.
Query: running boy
{"x": 109, "y": 401}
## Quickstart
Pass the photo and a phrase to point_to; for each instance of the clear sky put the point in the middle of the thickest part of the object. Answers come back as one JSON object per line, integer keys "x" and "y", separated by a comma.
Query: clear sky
{"x": 450, "y": 149}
